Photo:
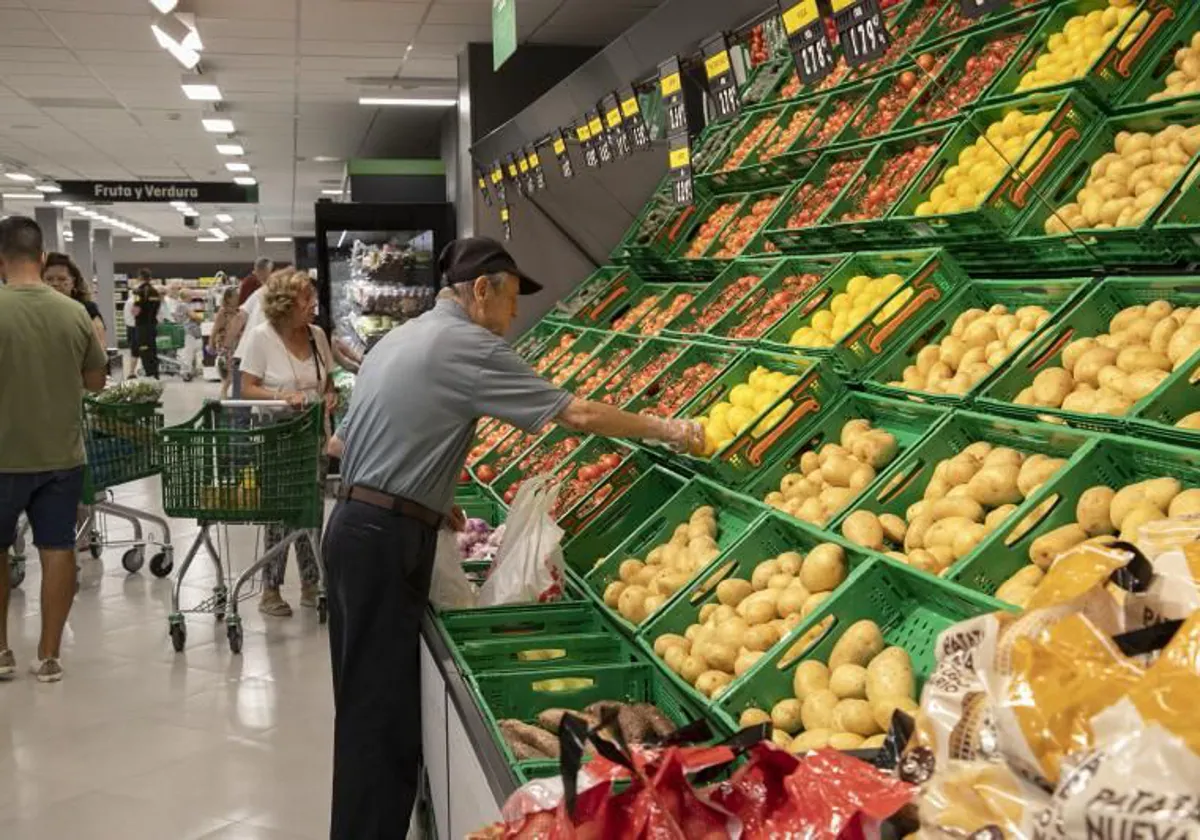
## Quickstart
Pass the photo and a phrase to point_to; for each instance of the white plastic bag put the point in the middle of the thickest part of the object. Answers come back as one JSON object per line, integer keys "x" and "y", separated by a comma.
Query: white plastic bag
{"x": 529, "y": 564}
{"x": 450, "y": 588}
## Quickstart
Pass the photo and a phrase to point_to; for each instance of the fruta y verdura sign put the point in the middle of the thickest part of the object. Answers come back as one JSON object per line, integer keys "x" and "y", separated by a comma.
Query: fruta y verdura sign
{"x": 161, "y": 192}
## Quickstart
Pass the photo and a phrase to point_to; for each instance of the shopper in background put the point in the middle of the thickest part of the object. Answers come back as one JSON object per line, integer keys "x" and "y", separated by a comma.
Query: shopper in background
{"x": 179, "y": 301}
{"x": 131, "y": 332}
{"x": 62, "y": 275}
{"x": 49, "y": 354}
{"x": 227, "y": 328}
{"x": 287, "y": 358}
{"x": 147, "y": 306}
{"x": 255, "y": 279}
{"x": 404, "y": 443}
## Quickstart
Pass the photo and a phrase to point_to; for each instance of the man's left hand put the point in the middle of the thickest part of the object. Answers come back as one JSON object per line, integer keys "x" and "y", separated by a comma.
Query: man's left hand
{"x": 458, "y": 519}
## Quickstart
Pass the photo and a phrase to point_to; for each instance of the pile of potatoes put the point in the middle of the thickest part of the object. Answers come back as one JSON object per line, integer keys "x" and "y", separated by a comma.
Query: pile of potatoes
{"x": 979, "y": 342}
{"x": 643, "y": 587}
{"x": 1101, "y": 514}
{"x": 1109, "y": 373}
{"x": 846, "y": 703}
{"x": 832, "y": 476}
{"x": 1126, "y": 184}
{"x": 967, "y": 497}
{"x": 1191, "y": 422}
{"x": 1184, "y": 80}
{"x": 750, "y": 616}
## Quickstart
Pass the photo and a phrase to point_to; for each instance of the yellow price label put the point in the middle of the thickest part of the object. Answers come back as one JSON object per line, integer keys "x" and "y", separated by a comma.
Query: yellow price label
{"x": 800, "y": 16}
{"x": 613, "y": 118}
{"x": 512, "y": 170}
{"x": 838, "y": 5}
{"x": 595, "y": 126}
{"x": 583, "y": 133}
{"x": 524, "y": 164}
{"x": 504, "y": 214}
{"x": 559, "y": 146}
{"x": 680, "y": 157}
{"x": 629, "y": 107}
{"x": 534, "y": 160}
{"x": 482, "y": 183}
{"x": 717, "y": 65}
{"x": 671, "y": 84}
{"x": 497, "y": 176}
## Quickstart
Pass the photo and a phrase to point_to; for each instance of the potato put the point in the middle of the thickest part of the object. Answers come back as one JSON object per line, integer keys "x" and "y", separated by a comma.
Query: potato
{"x": 824, "y": 568}
{"x": 630, "y": 569}
{"x": 1141, "y": 384}
{"x": 785, "y": 715}
{"x": 1143, "y": 512}
{"x": 1185, "y": 504}
{"x": 1036, "y": 471}
{"x": 791, "y": 600}
{"x": 961, "y": 467}
{"x": 996, "y": 518}
{"x": 863, "y": 528}
{"x": 781, "y": 739}
{"x": 894, "y": 528}
{"x": 1185, "y": 342}
{"x": 845, "y": 741}
{"x": 994, "y": 486}
{"x": 632, "y": 604}
{"x": 692, "y": 668}
{"x": 612, "y": 593}
{"x": 966, "y": 540}
{"x": 1126, "y": 317}
{"x": 732, "y": 592}
{"x": 1160, "y": 491}
{"x": 760, "y": 638}
{"x": 712, "y": 683}
{"x": 812, "y": 739}
{"x": 668, "y": 640}
{"x": 790, "y": 562}
{"x": 877, "y": 448}
{"x": 890, "y": 674}
{"x": 763, "y": 573}
{"x": 1051, "y": 386}
{"x": 810, "y": 676}
{"x": 758, "y": 611}
{"x": 753, "y": 717}
{"x": 814, "y": 601}
{"x": 854, "y": 716}
{"x": 914, "y": 535}
{"x": 1092, "y": 510}
{"x": 943, "y": 532}
{"x": 883, "y": 709}
{"x": 1091, "y": 363}
{"x": 964, "y": 507}
{"x": 816, "y": 712}
{"x": 858, "y": 645}
{"x": 1164, "y": 331}
{"x": 854, "y": 429}
{"x": 875, "y": 742}
{"x": 1050, "y": 545}
{"x": 674, "y": 657}
{"x": 849, "y": 681}
{"x": 1075, "y": 351}
{"x": 745, "y": 661}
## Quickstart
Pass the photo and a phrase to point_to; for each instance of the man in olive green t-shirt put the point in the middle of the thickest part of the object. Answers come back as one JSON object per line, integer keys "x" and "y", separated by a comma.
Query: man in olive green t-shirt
{"x": 48, "y": 355}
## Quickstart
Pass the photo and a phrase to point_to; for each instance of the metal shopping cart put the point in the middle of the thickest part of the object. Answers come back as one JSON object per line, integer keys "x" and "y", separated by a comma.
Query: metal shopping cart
{"x": 171, "y": 338}
{"x": 238, "y": 462}
{"x": 122, "y": 446}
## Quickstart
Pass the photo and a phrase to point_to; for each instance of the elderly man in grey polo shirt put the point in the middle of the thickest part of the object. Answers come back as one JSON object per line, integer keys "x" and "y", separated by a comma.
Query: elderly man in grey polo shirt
{"x": 403, "y": 444}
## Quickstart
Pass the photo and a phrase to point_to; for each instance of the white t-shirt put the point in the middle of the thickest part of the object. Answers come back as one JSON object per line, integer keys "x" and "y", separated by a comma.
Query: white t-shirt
{"x": 254, "y": 317}
{"x": 129, "y": 317}
{"x": 267, "y": 357}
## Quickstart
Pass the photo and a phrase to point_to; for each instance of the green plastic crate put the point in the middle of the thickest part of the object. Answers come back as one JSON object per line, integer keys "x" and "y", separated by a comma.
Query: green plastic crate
{"x": 775, "y": 427}
{"x": 524, "y": 621}
{"x": 1134, "y": 245}
{"x": 1073, "y": 117}
{"x": 721, "y": 296}
{"x": 598, "y": 299}
{"x": 778, "y": 230}
{"x": 1057, "y": 296}
{"x": 1158, "y": 63}
{"x": 750, "y": 172}
{"x": 904, "y": 482}
{"x": 539, "y": 652}
{"x": 678, "y": 297}
{"x": 603, "y": 363}
{"x": 632, "y": 463}
{"x": 1178, "y": 397}
{"x": 658, "y": 231}
{"x": 908, "y": 422}
{"x": 734, "y": 515}
{"x": 640, "y": 304}
{"x": 768, "y": 538}
{"x": 620, "y": 388}
{"x": 868, "y": 123}
{"x": 535, "y": 340}
{"x": 717, "y": 256}
{"x": 522, "y": 696}
{"x": 911, "y": 610}
{"x": 593, "y": 531}
{"x": 667, "y": 395}
{"x": 522, "y": 467}
{"x": 1089, "y": 317}
{"x": 835, "y": 113}
{"x": 755, "y": 315}
{"x": 582, "y": 350}
{"x": 763, "y": 81}
{"x": 1108, "y": 460}
{"x": 711, "y": 144}
{"x": 929, "y": 277}
{"x": 555, "y": 349}
{"x": 497, "y": 459}
{"x": 1115, "y": 67}
{"x": 953, "y": 24}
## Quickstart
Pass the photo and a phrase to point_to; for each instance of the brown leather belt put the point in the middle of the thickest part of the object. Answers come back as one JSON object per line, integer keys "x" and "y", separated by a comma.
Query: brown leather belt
{"x": 396, "y": 504}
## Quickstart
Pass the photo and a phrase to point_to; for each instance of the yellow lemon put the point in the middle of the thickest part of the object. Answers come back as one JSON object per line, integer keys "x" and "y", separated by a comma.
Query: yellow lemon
{"x": 822, "y": 321}
{"x": 740, "y": 419}
{"x": 773, "y": 419}
{"x": 762, "y": 401}
{"x": 718, "y": 429}
{"x": 926, "y": 208}
{"x": 717, "y": 412}
{"x": 742, "y": 396}
{"x": 857, "y": 284}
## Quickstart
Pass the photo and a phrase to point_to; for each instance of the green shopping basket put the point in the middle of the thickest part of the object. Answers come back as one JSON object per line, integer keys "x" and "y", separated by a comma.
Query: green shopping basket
{"x": 122, "y": 443}
{"x": 170, "y": 337}
{"x": 237, "y": 463}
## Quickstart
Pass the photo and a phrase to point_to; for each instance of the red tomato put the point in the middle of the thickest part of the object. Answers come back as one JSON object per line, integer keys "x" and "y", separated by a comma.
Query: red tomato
{"x": 610, "y": 460}
{"x": 486, "y": 473}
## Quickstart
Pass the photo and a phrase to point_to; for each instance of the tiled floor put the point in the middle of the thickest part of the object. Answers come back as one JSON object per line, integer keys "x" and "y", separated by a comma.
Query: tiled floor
{"x": 141, "y": 743}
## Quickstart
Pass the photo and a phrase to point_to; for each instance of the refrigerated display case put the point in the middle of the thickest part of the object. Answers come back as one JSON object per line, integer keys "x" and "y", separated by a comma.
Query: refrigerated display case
{"x": 377, "y": 266}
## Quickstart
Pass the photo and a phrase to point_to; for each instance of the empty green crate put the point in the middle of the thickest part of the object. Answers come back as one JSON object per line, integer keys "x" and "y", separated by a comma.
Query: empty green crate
{"x": 908, "y": 422}
{"x": 489, "y": 623}
{"x": 593, "y": 531}
{"x": 1056, "y": 296}
{"x": 766, "y": 539}
{"x": 1178, "y": 398}
{"x": 773, "y": 300}
{"x": 539, "y": 652}
{"x": 763, "y": 81}
{"x": 1089, "y": 317}
{"x": 1110, "y": 461}
{"x": 912, "y": 610}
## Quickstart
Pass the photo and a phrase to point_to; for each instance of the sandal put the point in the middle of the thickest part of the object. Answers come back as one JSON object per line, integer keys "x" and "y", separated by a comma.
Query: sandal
{"x": 272, "y": 604}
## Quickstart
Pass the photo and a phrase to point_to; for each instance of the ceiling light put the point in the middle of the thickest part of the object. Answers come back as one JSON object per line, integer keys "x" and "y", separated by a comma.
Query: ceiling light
{"x": 325, "y": 159}
{"x": 277, "y": 239}
{"x": 332, "y": 192}
{"x": 164, "y": 6}
{"x": 24, "y": 196}
{"x": 211, "y": 239}
{"x": 230, "y": 149}
{"x": 48, "y": 188}
{"x": 237, "y": 167}
{"x": 190, "y": 211}
{"x": 66, "y": 204}
{"x": 200, "y": 91}
{"x": 223, "y": 218}
{"x": 180, "y": 39}
{"x": 19, "y": 176}
{"x": 217, "y": 232}
{"x": 245, "y": 181}
{"x": 405, "y": 100}
{"x": 179, "y": 205}
{"x": 218, "y": 125}
{"x": 74, "y": 208}
{"x": 144, "y": 239}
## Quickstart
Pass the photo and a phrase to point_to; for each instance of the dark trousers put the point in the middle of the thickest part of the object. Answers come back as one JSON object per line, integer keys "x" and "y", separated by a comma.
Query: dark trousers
{"x": 147, "y": 348}
{"x": 378, "y": 569}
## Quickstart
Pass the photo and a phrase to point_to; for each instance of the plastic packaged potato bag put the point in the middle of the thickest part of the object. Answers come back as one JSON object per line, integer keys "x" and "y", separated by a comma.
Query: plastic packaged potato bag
{"x": 965, "y": 797}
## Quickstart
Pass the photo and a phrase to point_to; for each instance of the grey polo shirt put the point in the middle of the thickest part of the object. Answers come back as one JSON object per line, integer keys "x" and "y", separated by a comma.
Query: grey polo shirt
{"x": 420, "y": 393}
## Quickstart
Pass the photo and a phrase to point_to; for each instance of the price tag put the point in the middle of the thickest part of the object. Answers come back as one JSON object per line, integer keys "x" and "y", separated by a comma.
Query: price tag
{"x": 591, "y": 157}
{"x": 599, "y": 138}
{"x": 635, "y": 126}
{"x": 527, "y": 183}
{"x": 670, "y": 82}
{"x": 722, "y": 83}
{"x": 680, "y": 161}
{"x": 481, "y": 182}
{"x": 861, "y": 31}
{"x": 498, "y": 182}
{"x": 514, "y": 172}
{"x": 559, "y": 145}
{"x": 506, "y": 221}
{"x": 979, "y": 8}
{"x": 614, "y": 126}
{"x": 808, "y": 40}
{"x": 536, "y": 174}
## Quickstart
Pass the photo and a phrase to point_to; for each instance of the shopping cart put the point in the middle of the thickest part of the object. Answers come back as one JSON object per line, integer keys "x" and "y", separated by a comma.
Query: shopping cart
{"x": 171, "y": 338}
{"x": 122, "y": 446}
{"x": 237, "y": 462}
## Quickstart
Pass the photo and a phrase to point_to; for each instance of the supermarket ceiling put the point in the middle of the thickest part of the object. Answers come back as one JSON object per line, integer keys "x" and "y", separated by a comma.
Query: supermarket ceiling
{"x": 87, "y": 93}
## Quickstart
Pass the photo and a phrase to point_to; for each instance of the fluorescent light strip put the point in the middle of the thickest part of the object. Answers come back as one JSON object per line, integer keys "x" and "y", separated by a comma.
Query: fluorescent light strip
{"x": 24, "y": 196}
{"x": 201, "y": 91}
{"x": 218, "y": 233}
{"x": 48, "y": 188}
{"x": 218, "y": 126}
{"x": 277, "y": 239}
{"x": 223, "y": 218}
{"x": 164, "y": 6}
{"x": 19, "y": 176}
{"x": 406, "y": 101}
{"x": 211, "y": 239}
{"x": 188, "y": 57}
{"x": 332, "y": 192}
{"x": 237, "y": 166}
{"x": 230, "y": 149}
{"x": 61, "y": 203}
{"x": 245, "y": 181}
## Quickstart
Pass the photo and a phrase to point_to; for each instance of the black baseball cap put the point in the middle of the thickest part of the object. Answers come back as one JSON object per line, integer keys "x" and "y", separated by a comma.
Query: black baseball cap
{"x": 474, "y": 256}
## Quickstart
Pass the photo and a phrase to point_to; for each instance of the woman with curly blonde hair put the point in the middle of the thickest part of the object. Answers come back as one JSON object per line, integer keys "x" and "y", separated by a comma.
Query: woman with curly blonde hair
{"x": 287, "y": 358}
